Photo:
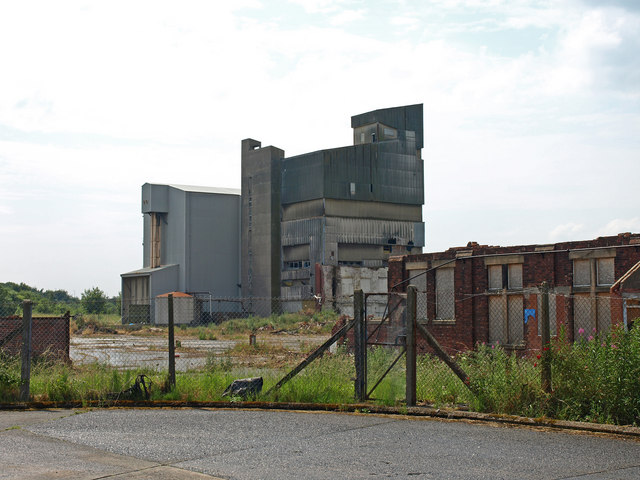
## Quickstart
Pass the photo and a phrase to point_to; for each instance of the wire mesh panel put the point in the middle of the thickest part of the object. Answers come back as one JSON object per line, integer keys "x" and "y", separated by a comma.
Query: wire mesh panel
{"x": 49, "y": 335}
{"x": 497, "y": 320}
{"x": 445, "y": 294}
{"x": 584, "y": 315}
{"x": 386, "y": 318}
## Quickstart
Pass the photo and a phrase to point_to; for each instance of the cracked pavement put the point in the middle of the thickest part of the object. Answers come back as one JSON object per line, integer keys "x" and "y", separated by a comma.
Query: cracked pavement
{"x": 258, "y": 444}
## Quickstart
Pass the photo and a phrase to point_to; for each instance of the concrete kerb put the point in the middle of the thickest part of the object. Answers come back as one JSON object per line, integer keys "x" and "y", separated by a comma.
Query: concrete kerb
{"x": 359, "y": 408}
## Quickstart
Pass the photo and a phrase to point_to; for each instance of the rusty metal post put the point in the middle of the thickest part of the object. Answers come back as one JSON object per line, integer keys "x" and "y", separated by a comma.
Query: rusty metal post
{"x": 27, "y": 322}
{"x": 172, "y": 345}
{"x": 360, "y": 346}
{"x": 411, "y": 346}
{"x": 545, "y": 362}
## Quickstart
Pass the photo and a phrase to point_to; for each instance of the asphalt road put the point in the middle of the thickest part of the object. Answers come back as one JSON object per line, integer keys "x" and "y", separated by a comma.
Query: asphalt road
{"x": 249, "y": 444}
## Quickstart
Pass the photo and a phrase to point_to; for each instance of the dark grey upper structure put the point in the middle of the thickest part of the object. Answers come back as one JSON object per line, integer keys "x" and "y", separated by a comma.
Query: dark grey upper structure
{"x": 351, "y": 205}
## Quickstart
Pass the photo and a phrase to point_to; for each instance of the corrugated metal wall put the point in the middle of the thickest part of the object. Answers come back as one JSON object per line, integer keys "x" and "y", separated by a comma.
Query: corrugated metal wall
{"x": 389, "y": 171}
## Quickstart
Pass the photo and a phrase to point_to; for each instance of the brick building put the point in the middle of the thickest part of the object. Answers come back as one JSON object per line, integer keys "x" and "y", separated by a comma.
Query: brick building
{"x": 49, "y": 336}
{"x": 479, "y": 293}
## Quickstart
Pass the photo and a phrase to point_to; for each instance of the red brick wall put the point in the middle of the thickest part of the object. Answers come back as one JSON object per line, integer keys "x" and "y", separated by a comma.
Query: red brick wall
{"x": 49, "y": 336}
{"x": 471, "y": 282}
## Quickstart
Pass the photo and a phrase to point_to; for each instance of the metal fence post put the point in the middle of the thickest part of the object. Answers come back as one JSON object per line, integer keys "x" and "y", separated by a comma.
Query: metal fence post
{"x": 26, "y": 350}
{"x": 172, "y": 345}
{"x": 360, "y": 346}
{"x": 411, "y": 346}
{"x": 546, "y": 339}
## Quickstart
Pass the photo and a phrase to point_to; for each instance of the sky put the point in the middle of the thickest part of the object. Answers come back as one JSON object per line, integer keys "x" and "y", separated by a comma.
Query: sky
{"x": 531, "y": 114}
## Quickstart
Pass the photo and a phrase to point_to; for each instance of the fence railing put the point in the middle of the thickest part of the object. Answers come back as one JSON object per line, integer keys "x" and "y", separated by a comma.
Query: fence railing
{"x": 396, "y": 348}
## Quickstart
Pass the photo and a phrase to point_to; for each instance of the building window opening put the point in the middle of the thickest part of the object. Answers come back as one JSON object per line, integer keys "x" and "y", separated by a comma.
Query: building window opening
{"x": 502, "y": 277}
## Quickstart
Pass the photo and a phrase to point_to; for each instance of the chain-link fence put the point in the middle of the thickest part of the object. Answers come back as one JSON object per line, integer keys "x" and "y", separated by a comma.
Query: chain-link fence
{"x": 457, "y": 345}
{"x": 235, "y": 336}
{"x": 202, "y": 309}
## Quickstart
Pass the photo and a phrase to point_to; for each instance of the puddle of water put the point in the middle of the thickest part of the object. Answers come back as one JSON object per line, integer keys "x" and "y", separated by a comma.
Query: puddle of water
{"x": 130, "y": 351}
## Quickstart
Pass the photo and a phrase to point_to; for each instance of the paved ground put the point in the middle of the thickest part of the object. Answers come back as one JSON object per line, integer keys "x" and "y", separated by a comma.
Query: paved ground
{"x": 240, "y": 444}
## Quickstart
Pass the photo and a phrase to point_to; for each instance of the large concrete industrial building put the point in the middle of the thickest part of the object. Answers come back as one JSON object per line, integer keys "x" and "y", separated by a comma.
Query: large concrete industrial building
{"x": 321, "y": 223}
{"x": 340, "y": 207}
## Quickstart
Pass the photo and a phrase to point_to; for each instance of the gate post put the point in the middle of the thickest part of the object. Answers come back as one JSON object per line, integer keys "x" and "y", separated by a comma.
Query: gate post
{"x": 360, "y": 346}
{"x": 546, "y": 339}
{"x": 25, "y": 383}
{"x": 172, "y": 344}
{"x": 410, "y": 321}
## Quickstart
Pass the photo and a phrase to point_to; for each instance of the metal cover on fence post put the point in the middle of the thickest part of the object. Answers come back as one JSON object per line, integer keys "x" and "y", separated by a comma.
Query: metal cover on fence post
{"x": 172, "y": 345}
{"x": 360, "y": 346}
{"x": 411, "y": 346}
{"x": 26, "y": 351}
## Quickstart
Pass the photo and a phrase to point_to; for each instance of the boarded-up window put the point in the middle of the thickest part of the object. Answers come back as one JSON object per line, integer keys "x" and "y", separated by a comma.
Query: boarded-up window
{"x": 553, "y": 330}
{"x": 581, "y": 273}
{"x": 420, "y": 282}
{"x": 515, "y": 276}
{"x": 606, "y": 274}
{"x": 495, "y": 277}
{"x": 497, "y": 323}
{"x": 516, "y": 319}
{"x": 506, "y": 319}
{"x": 445, "y": 298}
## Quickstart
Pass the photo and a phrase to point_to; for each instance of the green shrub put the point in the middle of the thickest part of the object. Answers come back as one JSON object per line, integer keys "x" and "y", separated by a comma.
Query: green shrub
{"x": 9, "y": 378}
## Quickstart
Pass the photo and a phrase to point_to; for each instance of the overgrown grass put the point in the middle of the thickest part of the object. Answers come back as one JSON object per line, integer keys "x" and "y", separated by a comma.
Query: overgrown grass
{"x": 9, "y": 378}
{"x": 595, "y": 379}
{"x": 327, "y": 380}
{"x": 598, "y": 378}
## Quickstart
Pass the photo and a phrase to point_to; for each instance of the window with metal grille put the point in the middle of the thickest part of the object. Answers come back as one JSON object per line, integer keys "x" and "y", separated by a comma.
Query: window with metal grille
{"x": 445, "y": 295}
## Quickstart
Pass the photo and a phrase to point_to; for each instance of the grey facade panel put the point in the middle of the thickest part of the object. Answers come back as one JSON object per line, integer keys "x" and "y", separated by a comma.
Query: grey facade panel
{"x": 155, "y": 198}
{"x": 299, "y": 232}
{"x": 213, "y": 244}
{"x": 382, "y": 172}
{"x": 369, "y": 231}
{"x": 311, "y": 208}
{"x": 375, "y": 210}
{"x": 295, "y": 253}
{"x": 174, "y": 241}
{"x": 409, "y": 117}
{"x": 302, "y": 177}
{"x": 419, "y": 234}
{"x": 358, "y": 252}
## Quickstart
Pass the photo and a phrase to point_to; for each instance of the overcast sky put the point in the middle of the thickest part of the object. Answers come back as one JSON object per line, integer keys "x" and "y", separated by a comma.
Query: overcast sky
{"x": 531, "y": 110}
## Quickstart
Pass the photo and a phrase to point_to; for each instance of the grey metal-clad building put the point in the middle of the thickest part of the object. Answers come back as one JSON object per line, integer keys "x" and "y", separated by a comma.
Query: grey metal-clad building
{"x": 350, "y": 206}
{"x": 191, "y": 244}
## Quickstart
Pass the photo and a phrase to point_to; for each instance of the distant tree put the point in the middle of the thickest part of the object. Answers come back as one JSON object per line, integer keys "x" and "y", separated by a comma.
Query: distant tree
{"x": 94, "y": 301}
{"x": 116, "y": 303}
{"x": 4, "y": 295}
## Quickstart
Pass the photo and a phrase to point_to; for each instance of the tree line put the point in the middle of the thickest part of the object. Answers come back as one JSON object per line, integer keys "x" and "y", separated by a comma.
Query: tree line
{"x": 55, "y": 302}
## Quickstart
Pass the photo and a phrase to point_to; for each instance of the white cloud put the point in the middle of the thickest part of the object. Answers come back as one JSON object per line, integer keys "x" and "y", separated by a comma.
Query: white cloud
{"x": 347, "y": 16}
{"x": 567, "y": 231}
{"x": 320, "y": 6}
{"x": 406, "y": 22}
{"x": 621, "y": 225}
